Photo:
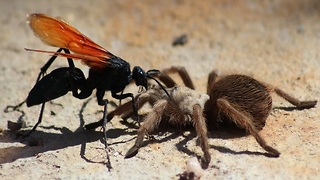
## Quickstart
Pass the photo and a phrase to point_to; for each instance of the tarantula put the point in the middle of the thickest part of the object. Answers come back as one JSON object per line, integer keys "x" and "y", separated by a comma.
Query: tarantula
{"x": 233, "y": 99}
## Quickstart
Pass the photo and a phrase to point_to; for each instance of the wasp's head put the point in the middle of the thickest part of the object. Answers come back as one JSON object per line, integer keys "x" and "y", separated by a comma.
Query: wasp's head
{"x": 139, "y": 76}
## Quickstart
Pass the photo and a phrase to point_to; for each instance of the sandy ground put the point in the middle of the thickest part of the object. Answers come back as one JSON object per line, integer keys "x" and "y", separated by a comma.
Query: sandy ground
{"x": 274, "y": 41}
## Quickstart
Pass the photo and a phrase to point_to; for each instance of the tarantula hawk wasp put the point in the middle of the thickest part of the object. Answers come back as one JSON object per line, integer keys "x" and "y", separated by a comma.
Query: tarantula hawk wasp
{"x": 107, "y": 72}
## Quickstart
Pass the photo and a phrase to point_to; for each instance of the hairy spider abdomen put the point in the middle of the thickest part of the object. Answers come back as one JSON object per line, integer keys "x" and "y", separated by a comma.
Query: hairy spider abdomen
{"x": 244, "y": 93}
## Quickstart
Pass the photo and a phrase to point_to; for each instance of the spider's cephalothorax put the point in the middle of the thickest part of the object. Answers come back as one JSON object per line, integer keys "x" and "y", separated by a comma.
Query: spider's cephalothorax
{"x": 180, "y": 107}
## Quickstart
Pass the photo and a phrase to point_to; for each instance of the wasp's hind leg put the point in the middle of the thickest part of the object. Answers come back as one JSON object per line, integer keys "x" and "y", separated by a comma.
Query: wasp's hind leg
{"x": 52, "y": 90}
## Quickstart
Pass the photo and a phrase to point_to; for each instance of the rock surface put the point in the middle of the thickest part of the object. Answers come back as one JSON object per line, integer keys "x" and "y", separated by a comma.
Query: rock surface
{"x": 277, "y": 42}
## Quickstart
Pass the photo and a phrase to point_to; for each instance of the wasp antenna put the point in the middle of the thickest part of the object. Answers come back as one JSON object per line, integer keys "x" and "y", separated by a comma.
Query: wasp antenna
{"x": 162, "y": 87}
{"x": 153, "y": 72}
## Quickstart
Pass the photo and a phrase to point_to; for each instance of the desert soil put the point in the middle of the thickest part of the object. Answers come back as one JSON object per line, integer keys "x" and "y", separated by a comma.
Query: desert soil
{"x": 277, "y": 42}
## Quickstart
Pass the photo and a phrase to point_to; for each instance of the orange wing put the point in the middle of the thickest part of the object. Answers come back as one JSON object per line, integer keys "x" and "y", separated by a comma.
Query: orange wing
{"x": 56, "y": 32}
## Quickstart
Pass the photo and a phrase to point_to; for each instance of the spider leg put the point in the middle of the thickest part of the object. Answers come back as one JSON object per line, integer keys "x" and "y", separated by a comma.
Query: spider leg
{"x": 149, "y": 124}
{"x": 210, "y": 110}
{"x": 212, "y": 78}
{"x": 245, "y": 121}
{"x": 201, "y": 128}
{"x": 294, "y": 101}
{"x": 141, "y": 99}
{"x": 169, "y": 82}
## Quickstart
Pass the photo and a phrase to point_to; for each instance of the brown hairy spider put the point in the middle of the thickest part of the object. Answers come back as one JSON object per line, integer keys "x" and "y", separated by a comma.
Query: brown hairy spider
{"x": 234, "y": 99}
